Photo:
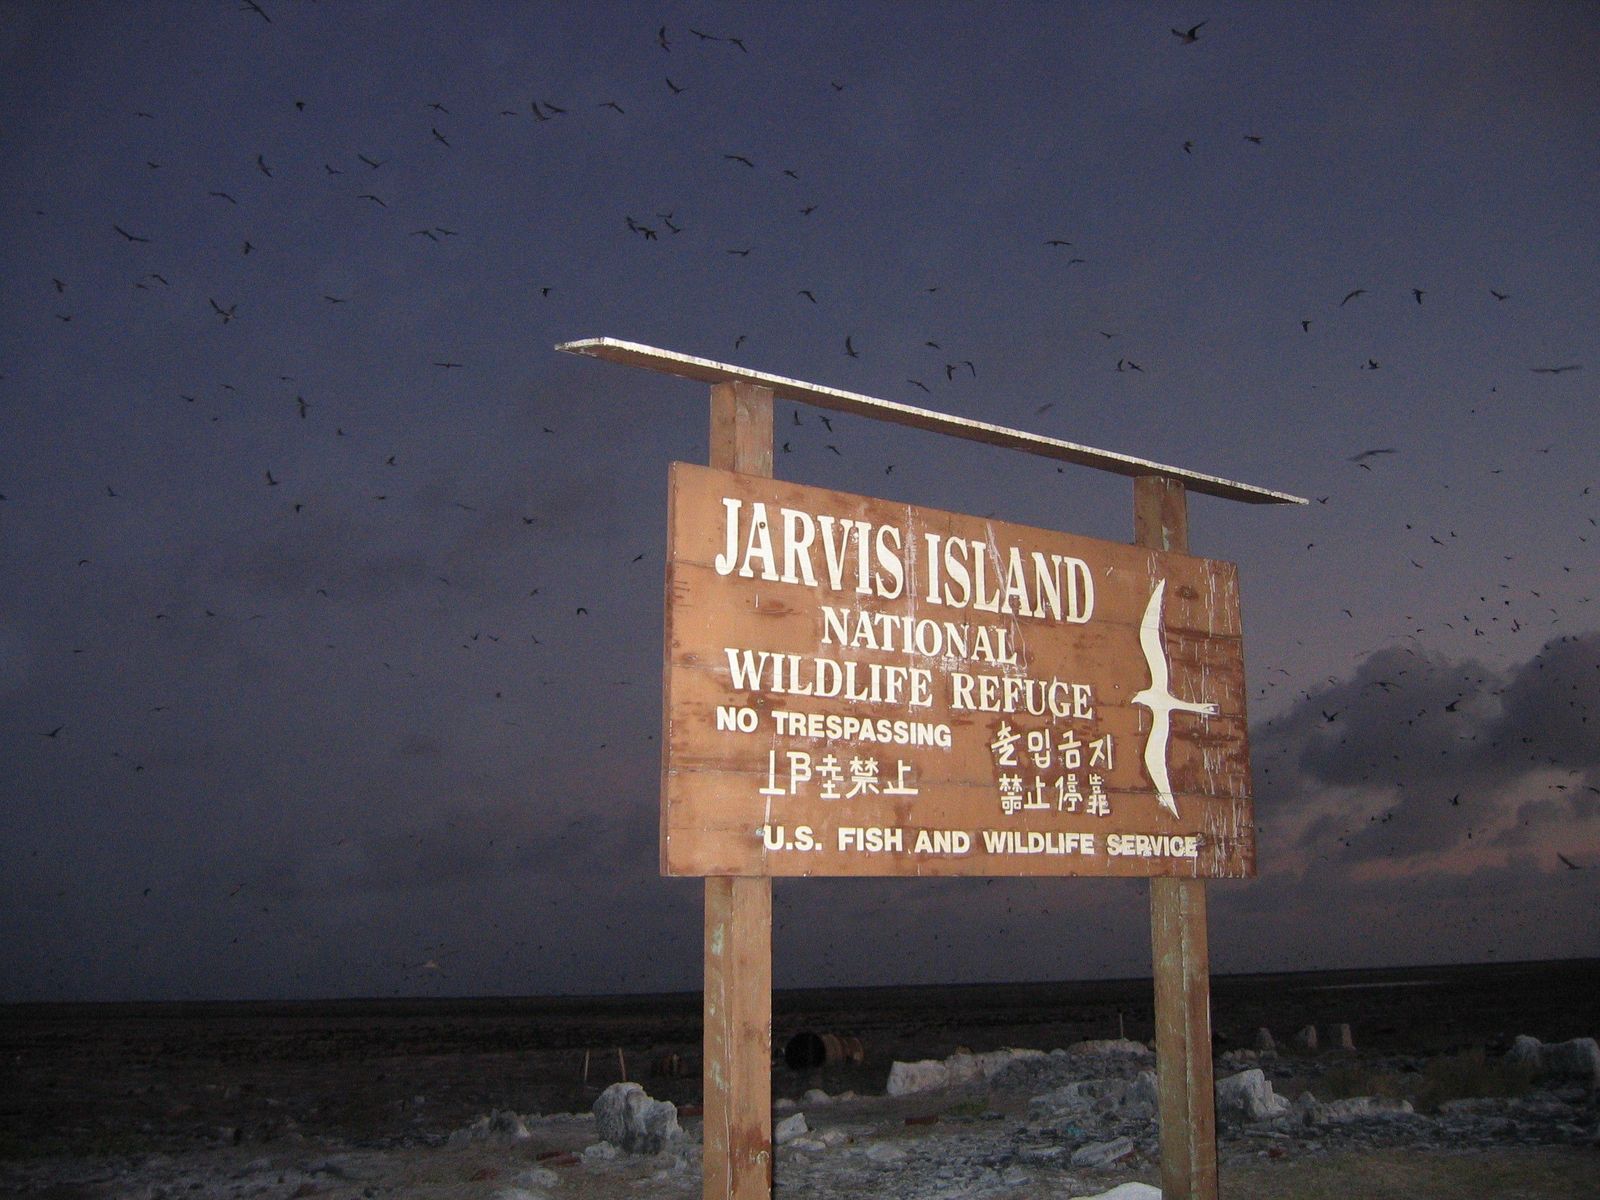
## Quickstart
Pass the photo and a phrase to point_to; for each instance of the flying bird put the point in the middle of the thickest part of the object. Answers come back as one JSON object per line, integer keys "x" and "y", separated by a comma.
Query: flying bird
{"x": 1192, "y": 34}
{"x": 132, "y": 237}
{"x": 1365, "y": 454}
{"x": 261, "y": 165}
{"x": 849, "y": 348}
{"x": 1567, "y": 862}
{"x": 227, "y": 314}
{"x": 1160, "y": 700}
{"x": 1351, "y": 296}
{"x": 1557, "y": 370}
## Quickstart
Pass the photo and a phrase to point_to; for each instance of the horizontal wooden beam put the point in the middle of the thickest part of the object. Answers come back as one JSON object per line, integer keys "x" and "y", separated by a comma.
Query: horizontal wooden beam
{"x": 704, "y": 370}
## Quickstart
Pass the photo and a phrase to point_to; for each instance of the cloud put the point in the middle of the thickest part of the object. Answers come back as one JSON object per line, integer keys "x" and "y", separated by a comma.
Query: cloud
{"x": 1419, "y": 757}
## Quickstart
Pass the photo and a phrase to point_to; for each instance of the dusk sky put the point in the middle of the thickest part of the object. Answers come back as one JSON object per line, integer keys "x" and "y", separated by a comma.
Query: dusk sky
{"x": 330, "y": 641}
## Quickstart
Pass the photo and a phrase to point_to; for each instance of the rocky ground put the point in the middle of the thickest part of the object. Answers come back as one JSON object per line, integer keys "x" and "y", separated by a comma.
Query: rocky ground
{"x": 1078, "y": 1121}
{"x": 492, "y": 1099}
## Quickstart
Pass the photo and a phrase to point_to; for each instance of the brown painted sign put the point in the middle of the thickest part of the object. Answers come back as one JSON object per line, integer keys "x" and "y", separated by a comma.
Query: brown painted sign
{"x": 860, "y": 687}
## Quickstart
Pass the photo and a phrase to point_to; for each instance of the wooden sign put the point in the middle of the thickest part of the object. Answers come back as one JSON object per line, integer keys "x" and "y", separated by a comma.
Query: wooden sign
{"x": 859, "y": 687}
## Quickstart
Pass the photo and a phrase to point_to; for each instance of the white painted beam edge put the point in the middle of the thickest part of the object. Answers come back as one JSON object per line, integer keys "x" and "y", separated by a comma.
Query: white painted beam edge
{"x": 706, "y": 370}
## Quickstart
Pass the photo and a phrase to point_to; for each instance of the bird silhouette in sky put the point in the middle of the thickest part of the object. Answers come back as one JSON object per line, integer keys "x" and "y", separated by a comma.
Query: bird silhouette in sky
{"x": 1352, "y": 295}
{"x": 1192, "y": 34}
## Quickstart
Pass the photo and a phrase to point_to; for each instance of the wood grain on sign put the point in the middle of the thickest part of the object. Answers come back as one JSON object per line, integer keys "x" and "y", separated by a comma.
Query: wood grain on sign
{"x": 853, "y": 699}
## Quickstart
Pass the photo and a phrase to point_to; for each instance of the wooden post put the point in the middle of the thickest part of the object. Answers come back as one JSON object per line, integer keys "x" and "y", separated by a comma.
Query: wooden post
{"x": 1180, "y": 957}
{"x": 736, "y": 1162}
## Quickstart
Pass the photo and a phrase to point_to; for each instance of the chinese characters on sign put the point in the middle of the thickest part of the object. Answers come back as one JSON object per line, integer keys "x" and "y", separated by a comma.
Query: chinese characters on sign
{"x": 856, "y": 687}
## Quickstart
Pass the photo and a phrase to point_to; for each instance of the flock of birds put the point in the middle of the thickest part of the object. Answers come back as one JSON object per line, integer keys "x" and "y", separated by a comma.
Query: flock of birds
{"x": 157, "y": 259}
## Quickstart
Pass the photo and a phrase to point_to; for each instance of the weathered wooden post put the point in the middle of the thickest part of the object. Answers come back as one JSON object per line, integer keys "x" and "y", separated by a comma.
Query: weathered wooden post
{"x": 1179, "y": 956}
{"x": 736, "y": 1161}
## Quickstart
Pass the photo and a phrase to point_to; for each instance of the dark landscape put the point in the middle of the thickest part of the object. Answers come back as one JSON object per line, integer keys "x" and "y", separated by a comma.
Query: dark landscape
{"x": 95, "y": 1079}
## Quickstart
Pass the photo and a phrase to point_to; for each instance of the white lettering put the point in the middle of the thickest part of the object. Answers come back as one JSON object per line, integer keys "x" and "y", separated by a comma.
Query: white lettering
{"x": 798, "y": 534}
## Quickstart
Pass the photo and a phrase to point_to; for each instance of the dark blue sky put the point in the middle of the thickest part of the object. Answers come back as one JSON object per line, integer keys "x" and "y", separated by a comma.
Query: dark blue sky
{"x": 296, "y": 696}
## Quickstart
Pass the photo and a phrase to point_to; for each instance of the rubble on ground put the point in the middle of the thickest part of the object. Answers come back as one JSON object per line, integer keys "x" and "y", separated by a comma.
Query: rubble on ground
{"x": 1074, "y": 1122}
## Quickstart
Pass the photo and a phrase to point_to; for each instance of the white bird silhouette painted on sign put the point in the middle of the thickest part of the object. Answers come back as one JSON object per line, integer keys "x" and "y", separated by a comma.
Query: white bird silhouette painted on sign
{"x": 1160, "y": 701}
